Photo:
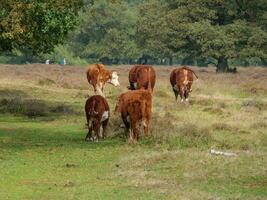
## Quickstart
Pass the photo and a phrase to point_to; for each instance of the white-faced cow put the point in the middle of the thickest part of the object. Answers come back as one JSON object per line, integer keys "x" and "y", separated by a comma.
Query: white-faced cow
{"x": 181, "y": 80}
{"x": 98, "y": 76}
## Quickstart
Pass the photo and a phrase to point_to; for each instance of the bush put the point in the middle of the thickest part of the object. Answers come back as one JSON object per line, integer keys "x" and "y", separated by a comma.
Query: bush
{"x": 33, "y": 108}
{"x": 179, "y": 135}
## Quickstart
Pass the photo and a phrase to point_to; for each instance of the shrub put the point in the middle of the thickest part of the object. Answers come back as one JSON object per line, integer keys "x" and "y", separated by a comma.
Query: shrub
{"x": 179, "y": 135}
{"x": 46, "y": 81}
{"x": 33, "y": 108}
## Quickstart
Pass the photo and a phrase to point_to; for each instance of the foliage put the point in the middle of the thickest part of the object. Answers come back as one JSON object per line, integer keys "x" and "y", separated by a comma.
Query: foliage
{"x": 63, "y": 51}
{"x": 107, "y": 32}
{"x": 217, "y": 29}
{"x": 36, "y": 25}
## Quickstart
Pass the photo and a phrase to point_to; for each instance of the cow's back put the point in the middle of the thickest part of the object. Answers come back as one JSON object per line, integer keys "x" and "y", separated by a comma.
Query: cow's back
{"x": 93, "y": 73}
{"x": 96, "y": 104}
{"x": 181, "y": 76}
{"x": 132, "y": 73}
{"x": 146, "y": 75}
{"x": 134, "y": 95}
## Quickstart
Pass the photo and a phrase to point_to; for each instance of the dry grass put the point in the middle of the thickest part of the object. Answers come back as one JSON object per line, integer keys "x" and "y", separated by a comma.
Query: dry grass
{"x": 226, "y": 111}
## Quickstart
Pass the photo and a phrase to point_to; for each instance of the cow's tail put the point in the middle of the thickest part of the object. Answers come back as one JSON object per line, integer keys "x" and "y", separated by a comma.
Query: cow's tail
{"x": 194, "y": 74}
{"x": 92, "y": 111}
{"x": 149, "y": 87}
{"x": 90, "y": 114}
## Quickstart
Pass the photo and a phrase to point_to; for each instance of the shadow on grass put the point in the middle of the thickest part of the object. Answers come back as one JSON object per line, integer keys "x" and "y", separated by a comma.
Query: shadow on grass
{"x": 17, "y": 102}
{"x": 29, "y": 135}
{"x": 8, "y": 94}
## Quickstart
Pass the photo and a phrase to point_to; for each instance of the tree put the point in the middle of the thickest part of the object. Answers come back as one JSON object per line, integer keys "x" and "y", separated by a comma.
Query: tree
{"x": 107, "y": 32}
{"x": 36, "y": 25}
{"x": 151, "y": 31}
{"x": 217, "y": 29}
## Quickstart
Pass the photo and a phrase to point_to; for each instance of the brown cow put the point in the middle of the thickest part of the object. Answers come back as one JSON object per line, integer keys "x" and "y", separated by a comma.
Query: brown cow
{"x": 135, "y": 107}
{"x": 140, "y": 75}
{"x": 181, "y": 80}
{"x": 98, "y": 76}
{"x": 97, "y": 114}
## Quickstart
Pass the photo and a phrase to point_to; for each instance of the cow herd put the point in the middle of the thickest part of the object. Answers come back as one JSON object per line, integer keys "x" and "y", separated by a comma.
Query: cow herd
{"x": 135, "y": 105}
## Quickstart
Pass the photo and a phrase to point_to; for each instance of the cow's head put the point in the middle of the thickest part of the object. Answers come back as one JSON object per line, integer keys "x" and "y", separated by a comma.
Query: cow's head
{"x": 185, "y": 89}
{"x": 114, "y": 79}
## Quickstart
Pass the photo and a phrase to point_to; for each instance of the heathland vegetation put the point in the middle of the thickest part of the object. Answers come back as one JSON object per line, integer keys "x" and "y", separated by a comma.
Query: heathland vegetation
{"x": 43, "y": 154}
{"x": 195, "y": 32}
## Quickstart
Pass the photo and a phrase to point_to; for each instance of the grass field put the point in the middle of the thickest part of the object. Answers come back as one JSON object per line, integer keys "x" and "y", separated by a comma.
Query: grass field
{"x": 43, "y": 155}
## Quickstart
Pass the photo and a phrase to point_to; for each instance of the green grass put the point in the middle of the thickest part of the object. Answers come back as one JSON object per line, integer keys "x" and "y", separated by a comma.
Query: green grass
{"x": 45, "y": 157}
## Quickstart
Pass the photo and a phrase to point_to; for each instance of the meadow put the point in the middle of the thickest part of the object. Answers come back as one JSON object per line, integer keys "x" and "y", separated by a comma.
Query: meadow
{"x": 43, "y": 154}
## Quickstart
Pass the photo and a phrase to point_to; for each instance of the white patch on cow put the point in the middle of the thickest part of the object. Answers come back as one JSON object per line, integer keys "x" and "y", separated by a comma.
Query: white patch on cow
{"x": 114, "y": 79}
{"x": 135, "y": 85}
{"x": 128, "y": 119}
{"x": 187, "y": 100}
{"x": 105, "y": 116}
{"x": 186, "y": 78}
{"x": 182, "y": 100}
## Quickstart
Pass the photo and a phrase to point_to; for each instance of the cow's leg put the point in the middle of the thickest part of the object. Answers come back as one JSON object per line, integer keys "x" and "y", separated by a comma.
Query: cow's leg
{"x": 135, "y": 130}
{"x": 131, "y": 136}
{"x": 104, "y": 126}
{"x": 146, "y": 126}
{"x": 89, "y": 134}
{"x": 175, "y": 93}
{"x": 182, "y": 96}
{"x": 126, "y": 123}
{"x": 95, "y": 90}
{"x": 186, "y": 93}
{"x": 99, "y": 90}
{"x": 97, "y": 131}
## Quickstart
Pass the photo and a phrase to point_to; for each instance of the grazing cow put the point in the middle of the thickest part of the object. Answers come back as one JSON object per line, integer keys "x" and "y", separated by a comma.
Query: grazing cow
{"x": 97, "y": 115}
{"x": 135, "y": 108}
{"x": 181, "y": 80}
{"x": 140, "y": 76}
{"x": 98, "y": 76}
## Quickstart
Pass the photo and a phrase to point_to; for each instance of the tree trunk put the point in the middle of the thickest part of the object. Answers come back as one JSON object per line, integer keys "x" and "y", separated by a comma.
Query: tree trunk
{"x": 171, "y": 61}
{"x": 222, "y": 65}
{"x": 264, "y": 62}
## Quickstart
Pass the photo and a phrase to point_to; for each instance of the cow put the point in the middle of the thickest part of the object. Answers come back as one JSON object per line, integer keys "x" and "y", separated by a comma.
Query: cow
{"x": 98, "y": 76}
{"x": 181, "y": 80}
{"x": 97, "y": 115}
{"x": 140, "y": 76}
{"x": 135, "y": 109}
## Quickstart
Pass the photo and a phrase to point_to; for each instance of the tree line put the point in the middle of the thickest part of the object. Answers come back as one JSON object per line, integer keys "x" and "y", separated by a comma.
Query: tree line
{"x": 199, "y": 32}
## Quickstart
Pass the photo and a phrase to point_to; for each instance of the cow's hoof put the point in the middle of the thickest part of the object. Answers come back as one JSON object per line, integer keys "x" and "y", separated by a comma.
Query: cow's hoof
{"x": 88, "y": 139}
{"x": 122, "y": 126}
